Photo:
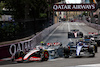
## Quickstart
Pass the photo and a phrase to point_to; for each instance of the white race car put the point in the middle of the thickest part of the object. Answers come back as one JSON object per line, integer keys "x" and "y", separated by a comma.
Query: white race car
{"x": 37, "y": 54}
{"x": 42, "y": 53}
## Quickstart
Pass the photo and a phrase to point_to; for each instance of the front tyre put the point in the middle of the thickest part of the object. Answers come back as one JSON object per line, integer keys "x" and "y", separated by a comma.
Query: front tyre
{"x": 81, "y": 34}
{"x": 66, "y": 52}
{"x": 45, "y": 56}
{"x": 96, "y": 48}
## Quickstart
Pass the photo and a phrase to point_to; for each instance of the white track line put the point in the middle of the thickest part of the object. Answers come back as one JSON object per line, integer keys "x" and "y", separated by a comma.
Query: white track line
{"x": 89, "y": 65}
{"x": 68, "y": 27}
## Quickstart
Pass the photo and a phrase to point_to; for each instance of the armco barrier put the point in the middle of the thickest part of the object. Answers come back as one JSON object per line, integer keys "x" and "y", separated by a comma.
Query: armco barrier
{"x": 93, "y": 25}
{"x": 9, "y": 50}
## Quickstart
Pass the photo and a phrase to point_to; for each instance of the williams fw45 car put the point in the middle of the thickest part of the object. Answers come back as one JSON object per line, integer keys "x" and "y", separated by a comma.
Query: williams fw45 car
{"x": 81, "y": 49}
{"x": 75, "y": 33}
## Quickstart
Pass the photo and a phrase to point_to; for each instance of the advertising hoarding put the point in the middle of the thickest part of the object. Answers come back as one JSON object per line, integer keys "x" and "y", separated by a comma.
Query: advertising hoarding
{"x": 74, "y": 7}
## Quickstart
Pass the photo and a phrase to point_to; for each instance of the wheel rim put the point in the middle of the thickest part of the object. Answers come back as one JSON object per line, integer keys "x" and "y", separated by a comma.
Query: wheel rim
{"x": 46, "y": 55}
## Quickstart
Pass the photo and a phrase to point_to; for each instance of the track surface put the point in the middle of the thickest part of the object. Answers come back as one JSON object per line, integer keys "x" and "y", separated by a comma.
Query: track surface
{"x": 60, "y": 35}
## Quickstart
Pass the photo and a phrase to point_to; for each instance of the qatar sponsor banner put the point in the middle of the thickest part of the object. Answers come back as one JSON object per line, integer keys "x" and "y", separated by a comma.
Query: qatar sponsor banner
{"x": 74, "y": 7}
{"x": 11, "y": 49}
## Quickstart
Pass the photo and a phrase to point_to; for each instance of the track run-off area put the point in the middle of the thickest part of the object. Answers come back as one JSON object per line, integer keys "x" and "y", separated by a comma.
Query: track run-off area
{"x": 60, "y": 34}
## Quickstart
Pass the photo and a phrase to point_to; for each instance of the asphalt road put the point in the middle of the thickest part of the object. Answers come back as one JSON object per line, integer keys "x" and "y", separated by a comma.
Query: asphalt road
{"x": 60, "y": 35}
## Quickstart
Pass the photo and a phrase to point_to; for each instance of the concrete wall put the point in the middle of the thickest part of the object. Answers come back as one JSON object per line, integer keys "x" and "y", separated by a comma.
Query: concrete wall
{"x": 93, "y": 25}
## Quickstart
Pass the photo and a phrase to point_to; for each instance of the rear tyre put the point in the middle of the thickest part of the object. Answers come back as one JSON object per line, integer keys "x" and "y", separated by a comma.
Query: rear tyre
{"x": 93, "y": 55}
{"x": 96, "y": 49}
{"x": 81, "y": 34}
{"x": 66, "y": 52}
{"x": 98, "y": 42}
{"x": 91, "y": 51}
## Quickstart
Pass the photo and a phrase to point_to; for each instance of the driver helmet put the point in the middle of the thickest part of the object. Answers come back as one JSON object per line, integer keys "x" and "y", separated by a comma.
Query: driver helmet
{"x": 80, "y": 40}
{"x": 92, "y": 39}
{"x": 42, "y": 43}
{"x": 80, "y": 43}
{"x": 61, "y": 44}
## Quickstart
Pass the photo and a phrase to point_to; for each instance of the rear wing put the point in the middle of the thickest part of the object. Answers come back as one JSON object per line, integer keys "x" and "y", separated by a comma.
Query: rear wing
{"x": 93, "y": 33}
{"x": 53, "y": 44}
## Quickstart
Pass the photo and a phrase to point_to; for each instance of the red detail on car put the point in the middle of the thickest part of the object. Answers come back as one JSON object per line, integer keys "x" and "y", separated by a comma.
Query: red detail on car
{"x": 69, "y": 47}
{"x": 34, "y": 59}
{"x": 53, "y": 44}
{"x": 1, "y": 60}
{"x": 93, "y": 33}
{"x": 82, "y": 44}
{"x": 19, "y": 59}
{"x": 49, "y": 44}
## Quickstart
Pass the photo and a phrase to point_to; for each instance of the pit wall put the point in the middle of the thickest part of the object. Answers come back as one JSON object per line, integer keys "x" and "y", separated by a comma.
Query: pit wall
{"x": 9, "y": 50}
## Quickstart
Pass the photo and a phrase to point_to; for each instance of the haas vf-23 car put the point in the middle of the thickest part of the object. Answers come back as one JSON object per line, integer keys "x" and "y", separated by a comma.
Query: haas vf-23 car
{"x": 42, "y": 53}
{"x": 37, "y": 54}
{"x": 75, "y": 33}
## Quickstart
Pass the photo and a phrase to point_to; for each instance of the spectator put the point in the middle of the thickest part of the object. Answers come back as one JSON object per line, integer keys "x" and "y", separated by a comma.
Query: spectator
{"x": 9, "y": 19}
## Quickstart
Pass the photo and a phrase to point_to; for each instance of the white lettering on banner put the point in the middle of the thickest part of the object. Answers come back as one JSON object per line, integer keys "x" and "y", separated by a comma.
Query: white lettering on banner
{"x": 61, "y": 7}
{"x": 24, "y": 46}
{"x": 83, "y": 7}
{"x": 29, "y": 45}
{"x": 55, "y": 7}
{"x": 12, "y": 52}
{"x": 67, "y": 7}
{"x": 18, "y": 47}
{"x": 74, "y": 6}
{"x": 93, "y": 6}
